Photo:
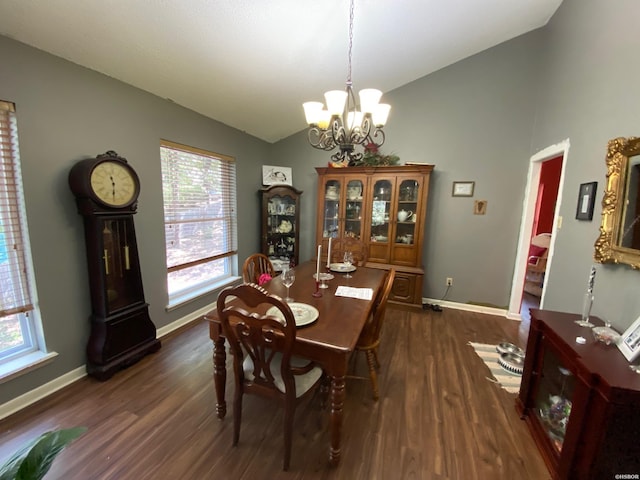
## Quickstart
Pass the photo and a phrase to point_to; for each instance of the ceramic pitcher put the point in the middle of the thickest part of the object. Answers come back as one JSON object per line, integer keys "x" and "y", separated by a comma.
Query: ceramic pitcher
{"x": 403, "y": 215}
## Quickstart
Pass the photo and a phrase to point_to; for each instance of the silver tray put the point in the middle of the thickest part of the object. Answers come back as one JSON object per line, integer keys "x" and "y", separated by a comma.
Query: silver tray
{"x": 512, "y": 363}
{"x": 506, "y": 347}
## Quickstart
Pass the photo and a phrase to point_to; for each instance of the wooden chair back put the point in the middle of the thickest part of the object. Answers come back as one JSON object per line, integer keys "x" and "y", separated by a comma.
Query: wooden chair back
{"x": 255, "y": 266}
{"x": 348, "y": 244}
{"x": 370, "y": 336}
{"x": 261, "y": 345}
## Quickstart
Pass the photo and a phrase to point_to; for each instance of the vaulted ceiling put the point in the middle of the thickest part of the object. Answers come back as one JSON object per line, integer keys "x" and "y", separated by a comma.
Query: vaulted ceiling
{"x": 251, "y": 63}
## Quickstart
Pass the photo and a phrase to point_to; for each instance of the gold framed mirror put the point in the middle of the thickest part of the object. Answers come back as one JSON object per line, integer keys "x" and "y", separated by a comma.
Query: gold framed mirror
{"x": 619, "y": 240}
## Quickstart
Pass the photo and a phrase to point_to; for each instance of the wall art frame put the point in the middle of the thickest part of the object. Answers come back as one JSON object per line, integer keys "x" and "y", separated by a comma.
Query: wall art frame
{"x": 462, "y": 189}
{"x": 629, "y": 343}
{"x": 586, "y": 201}
{"x": 274, "y": 175}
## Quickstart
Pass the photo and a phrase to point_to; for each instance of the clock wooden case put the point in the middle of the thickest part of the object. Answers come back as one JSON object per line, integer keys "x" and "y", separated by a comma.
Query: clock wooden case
{"x": 106, "y": 189}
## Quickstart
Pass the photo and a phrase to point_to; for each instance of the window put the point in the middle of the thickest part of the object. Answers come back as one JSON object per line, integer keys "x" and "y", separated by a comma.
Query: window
{"x": 20, "y": 329}
{"x": 199, "y": 190}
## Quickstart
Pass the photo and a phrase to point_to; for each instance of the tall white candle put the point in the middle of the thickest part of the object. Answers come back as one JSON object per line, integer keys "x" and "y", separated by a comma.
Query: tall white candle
{"x": 329, "y": 253}
{"x": 318, "y": 262}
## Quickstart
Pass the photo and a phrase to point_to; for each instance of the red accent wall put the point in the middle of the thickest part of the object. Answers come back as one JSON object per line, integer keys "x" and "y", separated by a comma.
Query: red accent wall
{"x": 550, "y": 179}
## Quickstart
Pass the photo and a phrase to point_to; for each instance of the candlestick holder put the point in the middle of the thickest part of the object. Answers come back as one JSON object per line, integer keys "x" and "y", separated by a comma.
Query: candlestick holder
{"x": 323, "y": 277}
{"x": 317, "y": 293}
{"x": 587, "y": 303}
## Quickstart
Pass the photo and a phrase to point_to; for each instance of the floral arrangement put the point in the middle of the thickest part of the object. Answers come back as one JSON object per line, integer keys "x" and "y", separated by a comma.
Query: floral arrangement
{"x": 372, "y": 157}
{"x": 264, "y": 278}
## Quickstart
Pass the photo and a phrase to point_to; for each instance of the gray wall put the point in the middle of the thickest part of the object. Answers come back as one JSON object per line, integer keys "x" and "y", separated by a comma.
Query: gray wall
{"x": 66, "y": 113}
{"x": 589, "y": 94}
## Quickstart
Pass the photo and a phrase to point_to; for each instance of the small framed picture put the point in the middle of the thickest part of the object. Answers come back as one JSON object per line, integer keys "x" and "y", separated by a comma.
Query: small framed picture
{"x": 272, "y": 175}
{"x": 462, "y": 189}
{"x": 480, "y": 207}
{"x": 586, "y": 201}
{"x": 629, "y": 344}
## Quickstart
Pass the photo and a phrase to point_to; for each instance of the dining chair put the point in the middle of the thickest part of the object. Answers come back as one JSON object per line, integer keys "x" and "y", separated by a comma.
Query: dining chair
{"x": 263, "y": 364}
{"x": 256, "y": 265}
{"x": 349, "y": 244}
{"x": 370, "y": 336}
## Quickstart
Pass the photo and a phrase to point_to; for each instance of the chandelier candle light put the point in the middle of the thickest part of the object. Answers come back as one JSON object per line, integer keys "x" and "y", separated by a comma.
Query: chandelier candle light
{"x": 344, "y": 123}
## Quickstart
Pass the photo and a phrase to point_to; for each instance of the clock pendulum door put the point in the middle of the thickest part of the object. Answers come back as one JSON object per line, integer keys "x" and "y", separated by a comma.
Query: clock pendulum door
{"x": 121, "y": 330}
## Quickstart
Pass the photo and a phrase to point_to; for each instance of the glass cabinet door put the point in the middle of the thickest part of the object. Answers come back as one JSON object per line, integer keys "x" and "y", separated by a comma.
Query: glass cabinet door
{"x": 553, "y": 399}
{"x": 353, "y": 209}
{"x": 331, "y": 210}
{"x": 281, "y": 230}
{"x": 381, "y": 212}
{"x": 406, "y": 211}
{"x": 342, "y": 208}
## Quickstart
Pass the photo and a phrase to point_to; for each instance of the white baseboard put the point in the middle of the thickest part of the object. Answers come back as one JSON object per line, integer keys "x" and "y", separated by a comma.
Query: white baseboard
{"x": 23, "y": 401}
{"x": 32, "y": 396}
{"x": 181, "y": 322}
{"x": 469, "y": 307}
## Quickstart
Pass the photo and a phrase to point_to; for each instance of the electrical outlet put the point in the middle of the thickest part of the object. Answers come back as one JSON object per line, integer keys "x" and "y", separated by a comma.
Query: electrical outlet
{"x": 449, "y": 281}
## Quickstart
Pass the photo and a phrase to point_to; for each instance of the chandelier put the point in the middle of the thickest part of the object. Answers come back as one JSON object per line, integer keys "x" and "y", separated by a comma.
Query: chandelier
{"x": 343, "y": 123}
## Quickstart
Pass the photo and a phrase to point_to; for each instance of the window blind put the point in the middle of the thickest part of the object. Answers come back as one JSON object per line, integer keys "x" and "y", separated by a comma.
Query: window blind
{"x": 199, "y": 189}
{"x": 15, "y": 295}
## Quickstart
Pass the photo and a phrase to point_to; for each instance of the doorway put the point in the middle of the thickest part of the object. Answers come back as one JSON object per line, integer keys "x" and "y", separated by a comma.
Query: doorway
{"x": 542, "y": 200}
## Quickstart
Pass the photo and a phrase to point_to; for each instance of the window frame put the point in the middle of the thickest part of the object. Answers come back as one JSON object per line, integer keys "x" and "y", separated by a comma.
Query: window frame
{"x": 18, "y": 359}
{"x": 226, "y": 259}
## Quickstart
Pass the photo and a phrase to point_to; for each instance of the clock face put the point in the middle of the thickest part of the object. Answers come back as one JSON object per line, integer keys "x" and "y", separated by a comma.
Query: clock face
{"x": 113, "y": 183}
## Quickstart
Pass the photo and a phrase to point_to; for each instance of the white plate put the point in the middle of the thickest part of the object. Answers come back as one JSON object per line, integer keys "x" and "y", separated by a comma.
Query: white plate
{"x": 341, "y": 267}
{"x": 303, "y": 313}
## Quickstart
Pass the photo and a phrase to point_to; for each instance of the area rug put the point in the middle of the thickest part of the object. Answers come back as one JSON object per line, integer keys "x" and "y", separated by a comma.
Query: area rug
{"x": 489, "y": 355}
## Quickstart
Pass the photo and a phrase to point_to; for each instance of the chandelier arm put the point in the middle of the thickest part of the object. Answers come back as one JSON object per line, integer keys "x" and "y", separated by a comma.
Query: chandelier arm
{"x": 320, "y": 139}
{"x": 377, "y": 134}
{"x": 338, "y": 132}
{"x": 360, "y": 134}
{"x": 347, "y": 157}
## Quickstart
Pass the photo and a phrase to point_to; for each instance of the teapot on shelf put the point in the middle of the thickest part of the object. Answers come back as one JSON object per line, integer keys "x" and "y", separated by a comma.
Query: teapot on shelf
{"x": 403, "y": 215}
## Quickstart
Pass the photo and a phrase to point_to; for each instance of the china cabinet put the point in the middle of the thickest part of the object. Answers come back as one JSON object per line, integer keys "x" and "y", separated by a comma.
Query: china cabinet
{"x": 385, "y": 207}
{"x": 280, "y": 224}
{"x": 579, "y": 400}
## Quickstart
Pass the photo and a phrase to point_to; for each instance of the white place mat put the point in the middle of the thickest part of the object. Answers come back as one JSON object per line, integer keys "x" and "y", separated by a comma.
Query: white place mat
{"x": 352, "y": 292}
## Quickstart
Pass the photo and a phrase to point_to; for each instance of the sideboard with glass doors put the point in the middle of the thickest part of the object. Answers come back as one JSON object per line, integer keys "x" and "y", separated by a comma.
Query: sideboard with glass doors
{"x": 384, "y": 207}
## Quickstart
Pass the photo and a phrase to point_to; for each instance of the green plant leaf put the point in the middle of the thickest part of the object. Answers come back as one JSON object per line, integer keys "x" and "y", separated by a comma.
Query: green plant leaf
{"x": 34, "y": 460}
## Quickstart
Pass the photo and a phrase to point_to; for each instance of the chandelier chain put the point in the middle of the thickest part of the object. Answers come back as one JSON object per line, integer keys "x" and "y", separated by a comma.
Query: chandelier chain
{"x": 350, "y": 40}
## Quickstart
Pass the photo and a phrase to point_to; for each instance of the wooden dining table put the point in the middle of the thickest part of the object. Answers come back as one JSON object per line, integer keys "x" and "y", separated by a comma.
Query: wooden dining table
{"x": 329, "y": 341}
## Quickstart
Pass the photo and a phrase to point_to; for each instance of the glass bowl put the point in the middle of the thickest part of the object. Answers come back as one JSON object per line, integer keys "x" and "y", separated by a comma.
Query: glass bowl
{"x": 606, "y": 335}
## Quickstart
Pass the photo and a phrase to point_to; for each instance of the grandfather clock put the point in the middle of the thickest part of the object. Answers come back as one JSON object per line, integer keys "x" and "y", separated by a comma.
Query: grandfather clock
{"x": 106, "y": 190}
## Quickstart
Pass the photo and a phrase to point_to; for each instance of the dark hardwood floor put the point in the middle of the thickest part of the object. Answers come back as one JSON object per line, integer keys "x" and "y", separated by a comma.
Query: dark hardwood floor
{"x": 437, "y": 417}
